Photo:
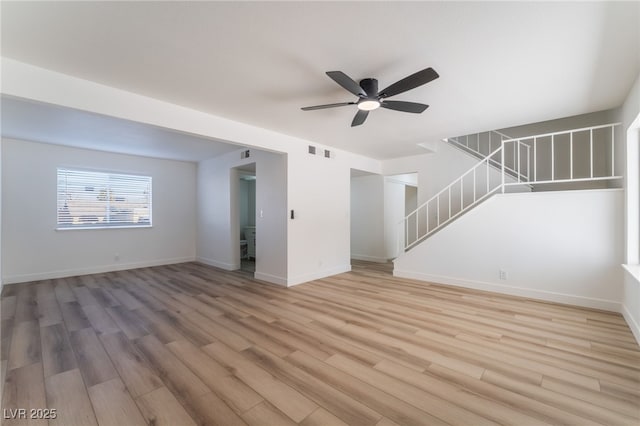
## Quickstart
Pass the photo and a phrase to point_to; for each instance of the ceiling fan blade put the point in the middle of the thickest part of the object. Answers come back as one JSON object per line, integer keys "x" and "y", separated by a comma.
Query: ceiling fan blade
{"x": 311, "y": 108}
{"x": 404, "y": 106}
{"x": 361, "y": 115}
{"x": 347, "y": 82}
{"x": 411, "y": 82}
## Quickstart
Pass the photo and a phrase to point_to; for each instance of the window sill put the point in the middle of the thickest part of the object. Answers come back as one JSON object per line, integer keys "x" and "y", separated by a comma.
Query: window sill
{"x": 81, "y": 228}
{"x": 633, "y": 270}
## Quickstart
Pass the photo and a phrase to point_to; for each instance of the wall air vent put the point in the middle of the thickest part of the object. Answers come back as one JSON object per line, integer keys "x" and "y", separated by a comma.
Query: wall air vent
{"x": 327, "y": 153}
{"x": 312, "y": 149}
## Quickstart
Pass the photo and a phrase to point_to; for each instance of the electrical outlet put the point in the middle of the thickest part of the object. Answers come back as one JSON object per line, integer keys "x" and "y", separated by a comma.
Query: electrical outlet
{"x": 503, "y": 274}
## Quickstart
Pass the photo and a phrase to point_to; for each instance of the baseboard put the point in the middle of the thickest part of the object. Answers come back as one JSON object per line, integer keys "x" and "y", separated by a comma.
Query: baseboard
{"x": 218, "y": 264}
{"x": 300, "y": 279}
{"x": 369, "y": 258}
{"x": 587, "y": 302}
{"x": 15, "y": 279}
{"x": 273, "y": 279}
{"x": 631, "y": 322}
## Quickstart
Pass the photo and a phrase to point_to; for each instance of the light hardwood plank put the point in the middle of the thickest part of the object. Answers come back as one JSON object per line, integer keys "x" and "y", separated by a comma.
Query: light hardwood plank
{"x": 48, "y": 309}
{"x": 325, "y": 395}
{"x": 175, "y": 375}
{"x": 24, "y": 389}
{"x": 57, "y": 355}
{"x": 392, "y": 407}
{"x": 113, "y": 405}
{"x": 265, "y": 414}
{"x": 93, "y": 361}
{"x": 25, "y": 346}
{"x": 228, "y": 387}
{"x": 128, "y": 361}
{"x": 100, "y": 319}
{"x": 74, "y": 317}
{"x": 286, "y": 399}
{"x": 161, "y": 408}
{"x": 67, "y": 394}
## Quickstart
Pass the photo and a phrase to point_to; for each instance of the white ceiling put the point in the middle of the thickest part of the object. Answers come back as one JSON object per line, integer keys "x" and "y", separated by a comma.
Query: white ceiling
{"x": 501, "y": 64}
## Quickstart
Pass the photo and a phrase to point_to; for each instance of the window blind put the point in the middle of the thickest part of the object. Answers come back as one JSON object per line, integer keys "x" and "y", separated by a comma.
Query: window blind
{"x": 88, "y": 199}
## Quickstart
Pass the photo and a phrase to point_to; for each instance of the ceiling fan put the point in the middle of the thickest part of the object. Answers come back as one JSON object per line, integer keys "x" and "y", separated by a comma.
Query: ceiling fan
{"x": 369, "y": 98}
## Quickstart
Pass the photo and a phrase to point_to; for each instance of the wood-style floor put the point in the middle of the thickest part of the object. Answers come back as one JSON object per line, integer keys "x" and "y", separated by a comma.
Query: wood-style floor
{"x": 190, "y": 344}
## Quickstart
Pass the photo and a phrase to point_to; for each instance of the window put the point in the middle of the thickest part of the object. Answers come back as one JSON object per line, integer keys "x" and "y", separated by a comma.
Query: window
{"x": 88, "y": 199}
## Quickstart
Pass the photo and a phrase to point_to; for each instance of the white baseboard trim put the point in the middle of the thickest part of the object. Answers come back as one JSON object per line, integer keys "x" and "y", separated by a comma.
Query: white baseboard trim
{"x": 273, "y": 279}
{"x": 631, "y": 322}
{"x": 369, "y": 258}
{"x": 15, "y": 279}
{"x": 300, "y": 279}
{"x": 588, "y": 302}
{"x": 222, "y": 265}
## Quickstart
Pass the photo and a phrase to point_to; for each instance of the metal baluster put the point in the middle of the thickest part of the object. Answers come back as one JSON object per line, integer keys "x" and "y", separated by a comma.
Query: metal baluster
{"x": 487, "y": 166}
{"x": 502, "y": 164}
{"x": 613, "y": 151}
{"x": 553, "y": 158}
{"x": 461, "y": 193}
{"x": 427, "y": 220}
{"x": 535, "y": 159}
{"x": 519, "y": 162}
{"x": 474, "y": 185}
{"x": 591, "y": 150}
{"x": 571, "y": 155}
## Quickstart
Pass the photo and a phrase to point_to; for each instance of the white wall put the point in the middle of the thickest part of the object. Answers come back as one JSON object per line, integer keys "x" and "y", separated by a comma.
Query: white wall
{"x": 435, "y": 170}
{"x": 631, "y": 299}
{"x": 394, "y": 203}
{"x": 1, "y": 276}
{"x": 367, "y": 218}
{"x": 559, "y": 246}
{"x": 218, "y": 241}
{"x": 319, "y": 236}
{"x": 32, "y": 249}
{"x": 271, "y": 220}
{"x": 630, "y": 117}
{"x": 214, "y": 231}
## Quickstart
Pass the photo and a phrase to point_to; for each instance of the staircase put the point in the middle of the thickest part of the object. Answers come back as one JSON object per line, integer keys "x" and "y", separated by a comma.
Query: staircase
{"x": 573, "y": 158}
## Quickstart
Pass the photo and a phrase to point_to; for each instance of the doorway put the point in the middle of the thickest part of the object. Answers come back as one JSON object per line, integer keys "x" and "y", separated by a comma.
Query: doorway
{"x": 247, "y": 216}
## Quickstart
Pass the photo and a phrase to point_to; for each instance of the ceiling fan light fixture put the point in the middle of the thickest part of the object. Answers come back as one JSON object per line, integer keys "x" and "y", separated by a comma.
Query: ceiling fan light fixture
{"x": 368, "y": 105}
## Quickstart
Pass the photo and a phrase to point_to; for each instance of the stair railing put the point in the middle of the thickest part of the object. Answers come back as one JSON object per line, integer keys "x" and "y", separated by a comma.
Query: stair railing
{"x": 577, "y": 155}
{"x": 472, "y": 187}
{"x": 483, "y": 143}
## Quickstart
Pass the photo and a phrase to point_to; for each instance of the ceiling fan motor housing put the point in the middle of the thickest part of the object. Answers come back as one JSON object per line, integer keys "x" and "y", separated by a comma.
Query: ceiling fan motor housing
{"x": 370, "y": 87}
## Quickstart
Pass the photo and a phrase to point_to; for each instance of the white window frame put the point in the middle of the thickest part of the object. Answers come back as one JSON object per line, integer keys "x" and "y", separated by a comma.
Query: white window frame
{"x": 109, "y": 179}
